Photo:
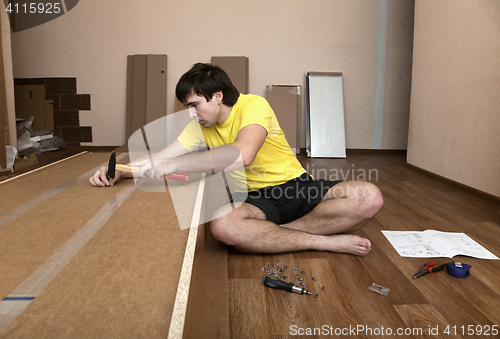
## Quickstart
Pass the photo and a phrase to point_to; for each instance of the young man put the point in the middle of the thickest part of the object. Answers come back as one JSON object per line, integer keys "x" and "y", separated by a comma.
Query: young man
{"x": 285, "y": 209}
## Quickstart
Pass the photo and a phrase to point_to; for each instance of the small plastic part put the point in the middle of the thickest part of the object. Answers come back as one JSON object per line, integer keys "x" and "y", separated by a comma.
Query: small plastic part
{"x": 379, "y": 289}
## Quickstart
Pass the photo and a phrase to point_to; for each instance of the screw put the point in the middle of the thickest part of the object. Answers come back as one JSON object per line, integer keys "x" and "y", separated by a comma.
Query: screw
{"x": 296, "y": 268}
{"x": 302, "y": 284}
{"x": 316, "y": 295}
{"x": 284, "y": 277}
{"x": 303, "y": 272}
{"x": 285, "y": 267}
{"x": 314, "y": 278}
{"x": 323, "y": 288}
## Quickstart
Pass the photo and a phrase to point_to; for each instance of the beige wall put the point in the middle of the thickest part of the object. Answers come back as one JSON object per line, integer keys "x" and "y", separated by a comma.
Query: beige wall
{"x": 283, "y": 40}
{"x": 455, "y": 99}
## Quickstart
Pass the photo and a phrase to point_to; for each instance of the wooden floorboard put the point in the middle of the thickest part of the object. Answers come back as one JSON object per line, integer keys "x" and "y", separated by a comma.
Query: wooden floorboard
{"x": 431, "y": 304}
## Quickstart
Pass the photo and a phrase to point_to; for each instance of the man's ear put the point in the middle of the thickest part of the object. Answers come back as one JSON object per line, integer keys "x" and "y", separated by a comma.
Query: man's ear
{"x": 218, "y": 97}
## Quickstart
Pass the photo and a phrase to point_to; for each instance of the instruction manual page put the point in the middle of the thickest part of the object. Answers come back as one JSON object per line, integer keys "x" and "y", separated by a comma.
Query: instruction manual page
{"x": 430, "y": 243}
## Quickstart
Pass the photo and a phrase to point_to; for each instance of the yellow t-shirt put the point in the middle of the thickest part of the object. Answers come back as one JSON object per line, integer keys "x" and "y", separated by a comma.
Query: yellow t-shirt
{"x": 275, "y": 162}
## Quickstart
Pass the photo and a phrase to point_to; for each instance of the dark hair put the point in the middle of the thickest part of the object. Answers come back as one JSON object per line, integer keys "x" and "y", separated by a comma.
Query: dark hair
{"x": 205, "y": 80}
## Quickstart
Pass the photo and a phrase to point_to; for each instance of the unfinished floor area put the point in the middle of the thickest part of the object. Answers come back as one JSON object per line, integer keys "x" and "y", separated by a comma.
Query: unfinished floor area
{"x": 121, "y": 281}
{"x": 79, "y": 261}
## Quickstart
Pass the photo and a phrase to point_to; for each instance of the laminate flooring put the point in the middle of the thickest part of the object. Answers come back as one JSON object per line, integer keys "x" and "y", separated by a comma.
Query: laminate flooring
{"x": 437, "y": 305}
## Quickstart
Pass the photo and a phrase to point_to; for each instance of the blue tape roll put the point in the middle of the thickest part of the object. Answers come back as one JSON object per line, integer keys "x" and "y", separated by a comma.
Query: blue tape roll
{"x": 458, "y": 269}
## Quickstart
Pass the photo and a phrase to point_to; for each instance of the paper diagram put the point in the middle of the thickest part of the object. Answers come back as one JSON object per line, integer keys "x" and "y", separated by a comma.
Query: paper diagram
{"x": 432, "y": 243}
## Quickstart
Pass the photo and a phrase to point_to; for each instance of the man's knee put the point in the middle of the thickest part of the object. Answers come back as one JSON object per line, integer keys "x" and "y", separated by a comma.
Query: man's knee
{"x": 223, "y": 230}
{"x": 227, "y": 223}
{"x": 372, "y": 200}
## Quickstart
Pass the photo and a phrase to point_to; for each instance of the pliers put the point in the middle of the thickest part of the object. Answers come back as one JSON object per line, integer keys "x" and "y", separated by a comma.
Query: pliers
{"x": 428, "y": 268}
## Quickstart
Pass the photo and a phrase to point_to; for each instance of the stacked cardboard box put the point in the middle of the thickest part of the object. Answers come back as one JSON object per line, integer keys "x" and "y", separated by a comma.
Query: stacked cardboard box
{"x": 30, "y": 101}
{"x": 55, "y": 104}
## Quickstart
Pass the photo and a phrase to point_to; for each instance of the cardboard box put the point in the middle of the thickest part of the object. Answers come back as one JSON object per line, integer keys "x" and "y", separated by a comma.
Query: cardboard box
{"x": 179, "y": 106}
{"x": 41, "y": 110}
{"x": 285, "y": 100}
{"x": 29, "y": 92}
{"x": 25, "y": 162}
{"x": 4, "y": 172}
{"x": 30, "y": 101}
{"x": 237, "y": 69}
{"x": 146, "y": 90}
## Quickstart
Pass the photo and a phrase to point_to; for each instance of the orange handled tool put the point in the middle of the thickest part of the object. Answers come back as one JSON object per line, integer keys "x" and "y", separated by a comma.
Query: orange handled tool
{"x": 130, "y": 169}
{"x": 113, "y": 166}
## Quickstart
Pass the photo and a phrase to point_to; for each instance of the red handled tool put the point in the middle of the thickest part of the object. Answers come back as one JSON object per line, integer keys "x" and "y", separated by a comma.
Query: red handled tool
{"x": 428, "y": 268}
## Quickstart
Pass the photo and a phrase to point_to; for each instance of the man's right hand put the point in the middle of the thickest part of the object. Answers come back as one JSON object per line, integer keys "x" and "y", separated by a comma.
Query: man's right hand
{"x": 99, "y": 179}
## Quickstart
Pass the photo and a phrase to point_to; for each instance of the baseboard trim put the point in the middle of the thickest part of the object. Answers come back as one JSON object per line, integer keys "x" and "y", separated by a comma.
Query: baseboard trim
{"x": 455, "y": 184}
{"x": 367, "y": 151}
{"x": 374, "y": 151}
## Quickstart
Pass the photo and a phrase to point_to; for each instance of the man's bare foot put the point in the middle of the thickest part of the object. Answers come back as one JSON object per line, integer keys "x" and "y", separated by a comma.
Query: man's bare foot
{"x": 347, "y": 243}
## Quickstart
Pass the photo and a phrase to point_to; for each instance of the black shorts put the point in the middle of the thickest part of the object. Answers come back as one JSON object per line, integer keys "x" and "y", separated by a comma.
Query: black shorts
{"x": 289, "y": 201}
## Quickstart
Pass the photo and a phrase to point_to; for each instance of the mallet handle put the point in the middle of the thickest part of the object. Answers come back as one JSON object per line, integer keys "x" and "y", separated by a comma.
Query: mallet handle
{"x": 130, "y": 169}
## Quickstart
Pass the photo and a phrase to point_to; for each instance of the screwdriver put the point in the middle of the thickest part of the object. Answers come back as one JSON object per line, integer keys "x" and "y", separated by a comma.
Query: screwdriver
{"x": 274, "y": 282}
